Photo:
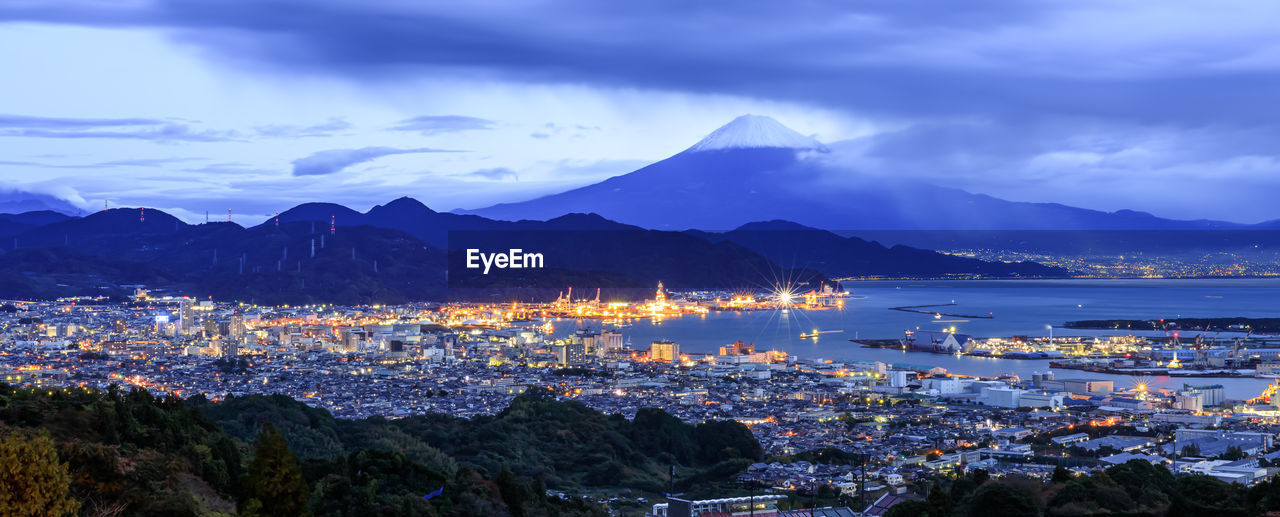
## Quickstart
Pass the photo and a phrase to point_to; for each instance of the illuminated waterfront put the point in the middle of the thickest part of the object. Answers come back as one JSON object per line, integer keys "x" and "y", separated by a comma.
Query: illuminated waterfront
{"x": 1019, "y": 307}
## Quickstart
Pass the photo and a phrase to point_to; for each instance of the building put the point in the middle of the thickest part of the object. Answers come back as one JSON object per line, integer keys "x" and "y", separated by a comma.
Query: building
{"x": 1013, "y": 433}
{"x": 1214, "y": 442}
{"x": 1189, "y": 401}
{"x": 762, "y": 505}
{"x": 886, "y": 502}
{"x": 1070, "y": 439}
{"x": 1117, "y": 442}
{"x": 210, "y": 327}
{"x": 947, "y": 342}
{"x": 665, "y": 351}
{"x": 1079, "y": 386}
{"x": 186, "y": 317}
{"x": 1003, "y": 396}
{"x": 1032, "y": 399}
{"x": 1211, "y": 395}
{"x": 1245, "y": 472}
{"x": 899, "y": 378}
{"x": 1017, "y": 450}
{"x": 1187, "y": 419}
{"x": 738, "y": 348}
{"x": 609, "y": 342}
{"x": 571, "y": 352}
{"x": 946, "y": 385}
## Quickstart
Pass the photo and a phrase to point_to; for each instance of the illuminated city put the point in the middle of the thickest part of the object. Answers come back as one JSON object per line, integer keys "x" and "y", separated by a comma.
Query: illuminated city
{"x": 567, "y": 258}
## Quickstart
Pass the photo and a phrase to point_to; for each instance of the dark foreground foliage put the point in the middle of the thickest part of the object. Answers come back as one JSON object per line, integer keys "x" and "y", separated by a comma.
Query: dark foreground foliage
{"x": 1136, "y": 488}
{"x": 131, "y": 453}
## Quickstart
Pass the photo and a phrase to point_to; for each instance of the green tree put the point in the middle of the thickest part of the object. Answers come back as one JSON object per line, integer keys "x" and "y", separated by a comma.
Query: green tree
{"x": 511, "y": 491}
{"x": 274, "y": 485}
{"x": 1061, "y": 474}
{"x": 940, "y": 502}
{"x": 911, "y": 508}
{"x": 32, "y": 480}
{"x": 1001, "y": 500}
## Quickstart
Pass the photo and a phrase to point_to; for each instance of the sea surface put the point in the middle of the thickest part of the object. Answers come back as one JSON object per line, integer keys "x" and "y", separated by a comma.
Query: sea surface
{"x": 1016, "y": 307}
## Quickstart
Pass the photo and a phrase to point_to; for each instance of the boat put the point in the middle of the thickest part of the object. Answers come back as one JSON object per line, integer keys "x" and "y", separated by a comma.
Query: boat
{"x": 817, "y": 332}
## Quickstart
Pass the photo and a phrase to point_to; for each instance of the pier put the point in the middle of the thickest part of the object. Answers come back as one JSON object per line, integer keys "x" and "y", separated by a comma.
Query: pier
{"x": 920, "y": 309}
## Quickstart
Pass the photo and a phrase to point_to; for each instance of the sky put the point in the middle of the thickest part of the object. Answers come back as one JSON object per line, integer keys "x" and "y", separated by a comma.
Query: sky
{"x": 258, "y": 105}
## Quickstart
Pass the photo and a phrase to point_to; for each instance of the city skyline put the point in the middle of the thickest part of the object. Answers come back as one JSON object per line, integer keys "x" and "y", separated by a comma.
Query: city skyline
{"x": 532, "y": 258}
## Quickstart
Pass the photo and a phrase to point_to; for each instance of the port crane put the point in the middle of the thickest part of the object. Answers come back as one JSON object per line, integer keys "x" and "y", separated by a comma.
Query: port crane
{"x": 1202, "y": 350}
{"x": 1238, "y": 342}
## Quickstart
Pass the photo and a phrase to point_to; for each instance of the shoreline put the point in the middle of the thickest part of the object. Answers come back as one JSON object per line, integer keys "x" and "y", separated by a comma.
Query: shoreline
{"x": 1055, "y": 363}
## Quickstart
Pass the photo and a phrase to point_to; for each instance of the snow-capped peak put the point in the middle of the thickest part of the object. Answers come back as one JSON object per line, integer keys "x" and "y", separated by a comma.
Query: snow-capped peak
{"x": 755, "y": 131}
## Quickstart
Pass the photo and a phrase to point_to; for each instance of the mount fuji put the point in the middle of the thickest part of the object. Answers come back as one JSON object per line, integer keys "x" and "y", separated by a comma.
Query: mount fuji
{"x": 756, "y": 169}
{"x": 756, "y": 131}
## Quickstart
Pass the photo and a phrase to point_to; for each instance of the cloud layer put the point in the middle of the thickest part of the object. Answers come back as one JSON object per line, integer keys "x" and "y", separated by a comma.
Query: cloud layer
{"x": 336, "y": 160}
{"x": 110, "y": 128}
{"x": 436, "y": 124}
{"x": 1085, "y": 102}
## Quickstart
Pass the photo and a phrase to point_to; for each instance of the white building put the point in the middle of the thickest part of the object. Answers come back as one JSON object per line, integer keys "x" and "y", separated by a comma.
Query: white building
{"x": 1005, "y": 396}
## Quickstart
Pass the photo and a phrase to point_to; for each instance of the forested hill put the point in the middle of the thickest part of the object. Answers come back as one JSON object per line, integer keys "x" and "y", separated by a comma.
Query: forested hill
{"x": 129, "y": 453}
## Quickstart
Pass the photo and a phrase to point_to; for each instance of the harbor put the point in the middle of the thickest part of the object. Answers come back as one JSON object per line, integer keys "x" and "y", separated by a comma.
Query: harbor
{"x": 1034, "y": 309}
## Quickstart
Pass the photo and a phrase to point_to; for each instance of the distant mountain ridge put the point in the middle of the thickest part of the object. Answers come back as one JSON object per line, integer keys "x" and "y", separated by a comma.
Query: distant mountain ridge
{"x": 396, "y": 252}
{"x": 414, "y": 218}
{"x": 756, "y": 169}
{"x": 796, "y": 245}
{"x": 13, "y": 201}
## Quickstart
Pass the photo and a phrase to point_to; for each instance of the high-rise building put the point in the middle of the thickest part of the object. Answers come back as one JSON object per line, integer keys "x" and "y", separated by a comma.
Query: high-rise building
{"x": 210, "y": 327}
{"x": 665, "y": 351}
{"x": 571, "y": 352}
{"x": 237, "y": 327}
{"x": 186, "y": 317}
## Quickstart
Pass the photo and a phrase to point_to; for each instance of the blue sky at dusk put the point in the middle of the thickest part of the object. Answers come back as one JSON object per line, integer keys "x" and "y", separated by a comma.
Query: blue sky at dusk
{"x": 1163, "y": 106}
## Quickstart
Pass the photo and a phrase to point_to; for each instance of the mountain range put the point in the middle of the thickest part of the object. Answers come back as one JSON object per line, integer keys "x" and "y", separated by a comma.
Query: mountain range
{"x": 756, "y": 169}
{"x": 400, "y": 252}
{"x": 14, "y": 201}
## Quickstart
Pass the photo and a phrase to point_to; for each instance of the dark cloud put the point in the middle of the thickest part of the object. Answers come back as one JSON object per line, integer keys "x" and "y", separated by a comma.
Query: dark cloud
{"x": 496, "y": 174}
{"x": 881, "y": 57}
{"x": 996, "y": 90}
{"x": 114, "y": 128}
{"x": 435, "y": 124}
{"x": 335, "y": 160}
